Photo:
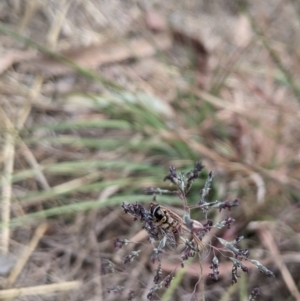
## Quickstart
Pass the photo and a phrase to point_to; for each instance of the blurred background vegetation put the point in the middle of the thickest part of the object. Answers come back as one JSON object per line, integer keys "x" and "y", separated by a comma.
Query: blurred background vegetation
{"x": 99, "y": 98}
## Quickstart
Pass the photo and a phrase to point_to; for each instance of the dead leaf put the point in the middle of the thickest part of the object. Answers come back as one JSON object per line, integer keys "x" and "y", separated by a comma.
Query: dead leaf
{"x": 155, "y": 21}
{"x": 202, "y": 54}
{"x": 94, "y": 56}
{"x": 187, "y": 39}
{"x": 243, "y": 32}
{"x": 12, "y": 57}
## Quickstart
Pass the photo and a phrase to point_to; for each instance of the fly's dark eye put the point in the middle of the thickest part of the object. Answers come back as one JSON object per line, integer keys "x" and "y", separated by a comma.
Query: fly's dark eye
{"x": 156, "y": 212}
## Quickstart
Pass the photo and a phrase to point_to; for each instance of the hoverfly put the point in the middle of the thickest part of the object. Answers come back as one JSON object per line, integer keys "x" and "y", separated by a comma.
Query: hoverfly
{"x": 170, "y": 223}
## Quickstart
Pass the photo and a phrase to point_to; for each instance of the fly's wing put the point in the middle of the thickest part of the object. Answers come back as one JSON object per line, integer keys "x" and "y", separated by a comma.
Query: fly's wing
{"x": 196, "y": 242}
{"x": 171, "y": 241}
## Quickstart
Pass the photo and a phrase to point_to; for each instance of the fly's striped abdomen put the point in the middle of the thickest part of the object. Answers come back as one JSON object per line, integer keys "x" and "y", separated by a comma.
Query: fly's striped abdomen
{"x": 169, "y": 223}
{"x": 164, "y": 218}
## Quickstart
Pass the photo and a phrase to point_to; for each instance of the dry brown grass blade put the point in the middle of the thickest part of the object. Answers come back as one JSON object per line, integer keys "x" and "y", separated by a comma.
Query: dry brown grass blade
{"x": 11, "y": 132}
{"x": 9, "y": 154}
{"x": 261, "y": 187}
{"x": 8, "y": 162}
{"x": 30, "y": 8}
{"x": 39, "y": 290}
{"x": 57, "y": 23}
{"x": 26, "y": 254}
{"x": 60, "y": 189}
{"x": 13, "y": 57}
{"x": 40, "y": 177}
{"x": 26, "y": 151}
{"x": 268, "y": 240}
{"x": 97, "y": 55}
